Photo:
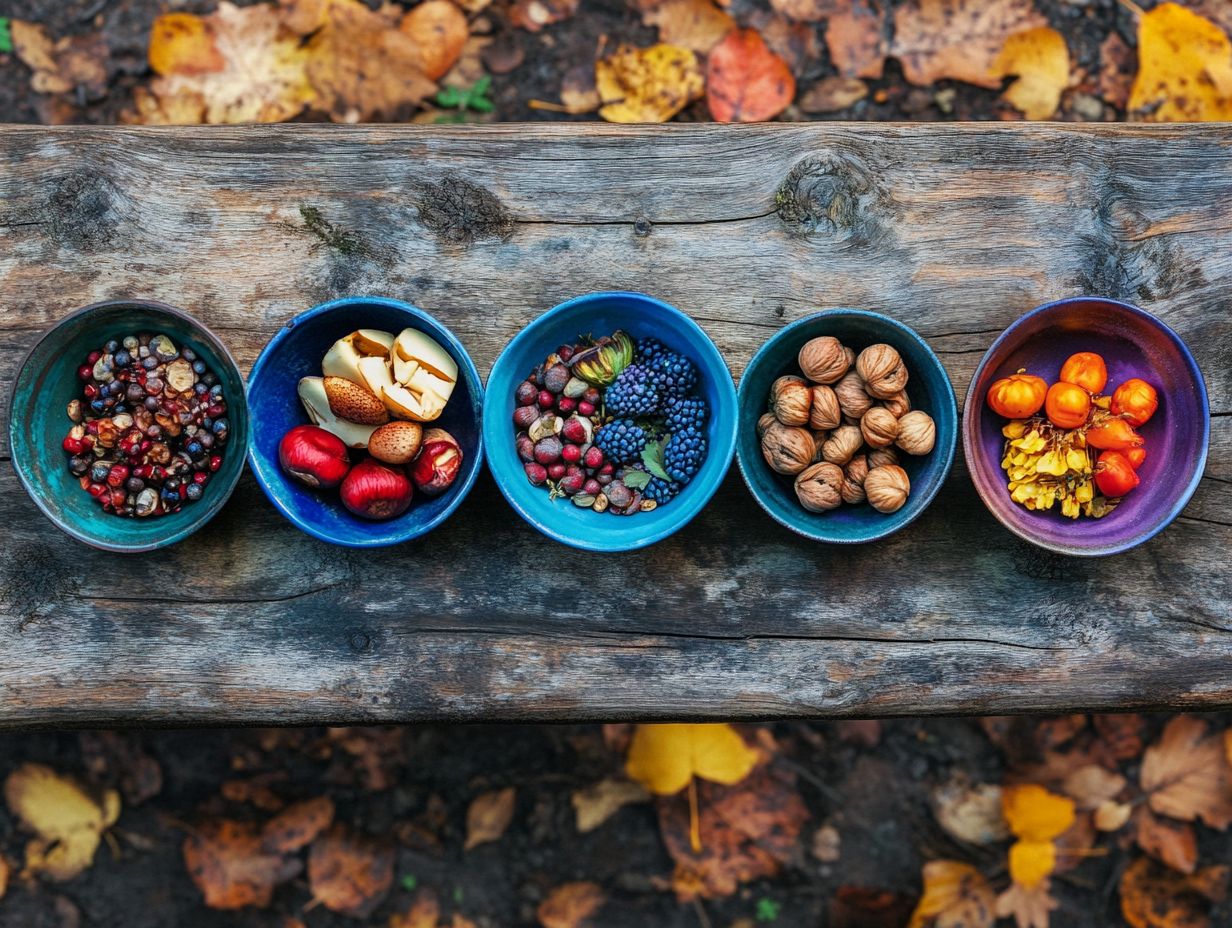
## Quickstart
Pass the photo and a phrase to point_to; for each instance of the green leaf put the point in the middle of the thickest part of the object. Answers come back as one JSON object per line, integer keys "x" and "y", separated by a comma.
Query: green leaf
{"x": 6, "y": 36}
{"x": 449, "y": 96}
{"x": 636, "y": 479}
{"x": 409, "y": 882}
{"x": 482, "y": 105}
{"x": 652, "y": 457}
{"x": 768, "y": 910}
{"x": 481, "y": 86}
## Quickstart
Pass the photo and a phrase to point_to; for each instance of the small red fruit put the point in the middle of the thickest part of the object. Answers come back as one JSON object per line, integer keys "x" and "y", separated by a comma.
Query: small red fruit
{"x": 527, "y": 394}
{"x": 1136, "y": 456}
{"x": 572, "y": 483}
{"x": 525, "y": 416}
{"x": 313, "y": 456}
{"x": 592, "y": 487}
{"x": 571, "y": 453}
{"x": 547, "y": 450}
{"x": 437, "y": 467}
{"x": 72, "y": 445}
{"x": 566, "y": 404}
{"x": 537, "y": 474}
{"x": 557, "y": 470}
{"x": 592, "y": 396}
{"x": 565, "y": 352}
{"x": 373, "y": 490}
{"x": 1114, "y": 474}
{"x": 575, "y": 430}
{"x": 585, "y": 409}
{"x": 547, "y": 399}
{"x": 594, "y": 456}
{"x": 526, "y": 447}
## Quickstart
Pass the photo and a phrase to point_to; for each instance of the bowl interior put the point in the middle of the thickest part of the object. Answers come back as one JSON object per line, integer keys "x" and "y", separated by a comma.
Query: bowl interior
{"x": 38, "y": 424}
{"x": 928, "y": 388}
{"x": 295, "y": 352}
{"x": 1134, "y": 344}
{"x": 601, "y": 314}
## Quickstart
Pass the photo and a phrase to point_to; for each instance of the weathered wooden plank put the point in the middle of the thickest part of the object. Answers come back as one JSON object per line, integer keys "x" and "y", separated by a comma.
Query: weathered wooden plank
{"x": 955, "y": 229}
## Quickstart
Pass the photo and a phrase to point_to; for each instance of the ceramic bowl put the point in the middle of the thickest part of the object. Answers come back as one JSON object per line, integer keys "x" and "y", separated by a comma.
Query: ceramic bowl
{"x": 296, "y": 351}
{"x": 601, "y": 314}
{"x": 47, "y": 380}
{"x": 1133, "y": 343}
{"x": 928, "y": 388}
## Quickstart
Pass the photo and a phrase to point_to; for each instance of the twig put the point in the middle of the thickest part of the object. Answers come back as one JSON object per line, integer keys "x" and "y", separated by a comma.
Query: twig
{"x": 1133, "y": 7}
{"x": 701, "y": 913}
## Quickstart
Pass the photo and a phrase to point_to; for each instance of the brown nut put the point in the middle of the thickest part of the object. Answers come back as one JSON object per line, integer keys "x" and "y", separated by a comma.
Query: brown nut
{"x": 853, "y": 400}
{"x": 823, "y": 359}
{"x": 854, "y": 473}
{"x": 842, "y": 444}
{"x": 787, "y": 450}
{"x": 898, "y": 404}
{"x": 883, "y": 371}
{"x": 767, "y": 419}
{"x": 887, "y": 488}
{"x": 880, "y": 457}
{"x": 819, "y": 488}
{"x": 879, "y": 427}
{"x": 824, "y": 411}
{"x": 790, "y": 400}
{"x": 917, "y": 433}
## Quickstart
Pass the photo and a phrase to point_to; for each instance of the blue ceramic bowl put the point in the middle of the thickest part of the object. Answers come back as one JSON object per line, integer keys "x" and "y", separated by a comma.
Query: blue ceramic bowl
{"x": 1133, "y": 343}
{"x": 602, "y": 314}
{"x": 295, "y": 352}
{"x": 38, "y": 423}
{"x": 928, "y": 388}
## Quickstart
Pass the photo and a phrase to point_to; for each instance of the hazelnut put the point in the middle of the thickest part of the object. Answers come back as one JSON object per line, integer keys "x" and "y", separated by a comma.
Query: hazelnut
{"x": 787, "y": 450}
{"x": 767, "y": 419}
{"x": 819, "y": 487}
{"x": 854, "y": 473}
{"x": 887, "y": 488}
{"x": 842, "y": 444}
{"x": 879, "y": 427}
{"x": 853, "y": 400}
{"x": 824, "y": 411}
{"x": 880, "y": 457}
{"x": 883, "y": 371}
{"x": 916, "y": 433}
{"x": 898, "y": 404}
{"x": 823, "y": 359}
{"x": 790, "y": 399}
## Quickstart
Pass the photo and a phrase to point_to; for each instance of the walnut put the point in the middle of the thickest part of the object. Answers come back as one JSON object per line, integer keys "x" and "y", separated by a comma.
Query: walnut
{"x": 887, "y": 488}
{"x": 854, "y": 473}
{"x": 842, "y": 444}
{"x": 823, "y": 359}
{"x": 790, "y": 400}
{"x": 787, "y": 450}
{"x": 824, "y": 412}
{"x": 879, "y": 427}
{"x": 883, "y": 371}
{"x": 880, "y": 457}
{"x": 853, "y": 400}
{"x": 767, "y": 419}
{"x": 819, "y": 488}
{"x": 898, "y": 404}
{"x": 917, "y": 433}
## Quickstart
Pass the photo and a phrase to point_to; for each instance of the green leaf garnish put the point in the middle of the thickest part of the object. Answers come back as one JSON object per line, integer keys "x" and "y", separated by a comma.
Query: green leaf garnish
{"x": 636, "y": 479}
{"x": 6, "y": 36}
{"x": 652, "y": 457}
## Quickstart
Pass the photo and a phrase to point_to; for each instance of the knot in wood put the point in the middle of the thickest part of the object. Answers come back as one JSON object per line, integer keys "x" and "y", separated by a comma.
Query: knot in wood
{"x": 360, "y": 641}
{"x": 461, "y": 212}
{"x": 85, "y": 210}
{"x": 834, "y": 194}
{"x": 642, "y": 226}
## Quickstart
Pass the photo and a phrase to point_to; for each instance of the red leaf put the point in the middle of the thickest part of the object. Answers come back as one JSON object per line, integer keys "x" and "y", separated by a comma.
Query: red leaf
{"x": 745, "y": 81}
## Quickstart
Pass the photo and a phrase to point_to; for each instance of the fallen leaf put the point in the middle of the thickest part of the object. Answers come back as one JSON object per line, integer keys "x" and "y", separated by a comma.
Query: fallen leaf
{"x": 424, "y": 912}
{"x": 665, "y": 758}
{"x": 1186, "y": 773}
{"x": 956, "y": 895}
{"x": 350, "y": 873}
{"x": 4, "y": 876}
{"x": 1122, "y": 732}
{"x": 120, "y": 758}
{"x": 297, "y": 826}
{"x": 256, "y": 791}
{"x": 1155, "y": 897}
{"x": 1171, "y": 843}
{"x": 595, "y": 804}
{"x": 745, "y": 81}
{"x": 1031, "y": 861}
{"x": 1040, "y": 58}
{"x": 225, "y": 860}
{"x": 1117, "y": 66}
{"x": 856, "y": 37}
{"x": 1184, "y": 68}
{"x": 1034, "y": 814}
{"x": 63, "y": 65}
{"x": 440, "y": 30}
{"x": 1028, "y": 906}
{"x": 970, "y": 812}
{"x": 570, "y": 905}
{"x": 182, "y": 43}
{"x": 694, "y": 24}
{"x": 796, "y": 43}
{"x": 533, "y": 15}
{"x": 378, "y": 751}
{"x": 647, "y": 85}
{"x": 959, "y": 39}
{"x": 1074, "y": 845}
{"x": 488, "y": 816}
{"x": 807, "y": 11}
{"x": 1110, "y": 816}
{"x": 68, "y": 822}
{"x": 827, "y": 844}
{"x": 1092, "y": 785}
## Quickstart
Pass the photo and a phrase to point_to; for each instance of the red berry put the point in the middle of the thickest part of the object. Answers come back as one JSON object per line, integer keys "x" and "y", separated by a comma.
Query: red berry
{"x": 573, "y": 470}
{"x": 592, "y": 396}
{"x": 565, "y": 352}
{"x": 547, "y": 450}
{"x": 117, "y": 475}
{"x": 91, "y": 391}
{"x": 215, "y": 462}
{"x": 527, "y": 394}
{"x": 118, "y": 498}
{"x": 535, "y": 473}
{"x": 200, "y": 477}
{"x": 592, "y": 487}
{"x": 524, "y": 416}
{"x": 604, "y": 479}
{"x": 585, "y": 409}
{"x": 571, "y": 453}
{"x": 594, "y": 456}
{"x": 575, "y": 430}
{"x": 546, "y": 399}
{"x": 557, "y": 470}
{"x": 607, "y": 468}
{"x": 571, "y": 483}
{"x": 72, "y": 445}
{"x": 526, "y": 447}
{"x": 566, "y": 404}
{"x": 92, "y": 357}
{"x": 85, "y": 372}
{"x": 96, "y": 489}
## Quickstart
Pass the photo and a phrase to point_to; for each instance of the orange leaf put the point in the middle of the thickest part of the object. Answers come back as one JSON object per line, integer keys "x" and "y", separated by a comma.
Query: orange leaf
{"x": 225, "y": 860}
{"x": 1172, "y": 843}
{"x": 298, "y": 825}
{"x": 1034, "y": 814}
{"x": 181, "y": 43}
{"x": 570, "y": 905}
{"x": 440, "y": 30}
{"x": 1186, "y": 773}
{"x": 956, "y": 895}
{"x": 1029, "y": 907}
{"x": 488, "y": 816}
{"x": 935, "y": 39}
{"x": 745, "y": 81}
{"x": 1155, "y": 897}
{"x": 349, "y": 873}
{"x": 857, "y": 41}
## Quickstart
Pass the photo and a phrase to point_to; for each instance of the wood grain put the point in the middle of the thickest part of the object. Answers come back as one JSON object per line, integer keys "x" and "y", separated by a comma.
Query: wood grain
{"x": 957, "y": 230}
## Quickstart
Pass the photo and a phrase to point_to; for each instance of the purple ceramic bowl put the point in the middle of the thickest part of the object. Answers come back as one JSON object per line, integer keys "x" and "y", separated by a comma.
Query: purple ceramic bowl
{"x": 1134, "y": 344}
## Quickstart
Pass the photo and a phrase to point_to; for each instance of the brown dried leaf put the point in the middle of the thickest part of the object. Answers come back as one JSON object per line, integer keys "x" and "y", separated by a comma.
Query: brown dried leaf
{"x": 1171, "y": 843}
{"x": 424, "y": 912}
{"x": 796, "y": 43}
{"x": 350, "y": 873}
{"x": 956, "y": 895}
{"x": 1091, "y": 785}
{"x": 64, "y": 65}
{"x": 1155, "y": 897}
{"x": 570, "y": 905}
{"x": 440, "y": 30}
{"x": 488, "y": 816}
{"x": 745, "y": 81}
{"x": 866, "y": 907}
{"x": 595, "y": 804}
{"x": 1117, "y": 66}
{"x": 225, "y": 860}
{"x": 863, "y": 732}
{"x": 256, "y": 790}
{"x": 695, "y": 24}
{"x": 959, "y": 39}
{"x": 1187, "y": 774}
{"x": 827, "y": 844}
{"x": 4, "y": 876}
{"x": 970, "y": 812}
{"x": 533, "y": 15}
{"x": 807, "y": 11}
{"x": 297, "y": 826}
{"x": 1028, "y": 907}
{"x": 856, "y": 37}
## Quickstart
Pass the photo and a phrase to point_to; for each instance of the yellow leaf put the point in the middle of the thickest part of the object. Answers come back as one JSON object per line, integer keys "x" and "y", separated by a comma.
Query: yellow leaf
{"x": 1034, "y": 814}
{"x": 956, "y": 895}
{"x": 664, "y": 758}
{"x": 1184, "y": 68}
{"x": 68, "y": 822}
{"x": 1040, "y": 58}
{"x": 647, "y": 84}
{"x": 1031, "y": 861}
{"x": 181, "y": 43}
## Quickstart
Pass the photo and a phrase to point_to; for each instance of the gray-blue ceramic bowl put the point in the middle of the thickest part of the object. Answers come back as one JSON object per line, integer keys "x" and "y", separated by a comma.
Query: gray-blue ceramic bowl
{"x": 928, "y": 388}
{"x": 296, "y": 351}
{"x": 38, "y": 422}
{"x": 601, "y": 314}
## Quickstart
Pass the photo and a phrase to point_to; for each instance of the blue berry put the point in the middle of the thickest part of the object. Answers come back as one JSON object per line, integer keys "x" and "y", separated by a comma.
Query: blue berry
{"x": 631, "y": 394}
{"x": 673, "y": 374}
{"x": 684, "y": 414}
{"x": 621, "y": 441}
{"x": 660, "y": 490}
{"x": 683, "y": 455}
{"x": 649, "y": 349}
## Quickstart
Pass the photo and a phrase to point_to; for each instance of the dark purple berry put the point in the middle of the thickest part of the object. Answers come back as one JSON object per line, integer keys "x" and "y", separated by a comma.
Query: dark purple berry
{"x": 572, "y": 483}
{"x": 526, "y": 394}
{"x": 618, "y": 495}
{"x": 547, "y": 450}
{"x": 555, "y": 378}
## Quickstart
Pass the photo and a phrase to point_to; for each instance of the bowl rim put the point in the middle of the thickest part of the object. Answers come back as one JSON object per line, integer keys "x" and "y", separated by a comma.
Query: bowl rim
{"x": 725, "y": 451}
{"x": 208, "y": 335}
{"x": 930, "y": 492}
{"x": 474, "y": 382}
{"x": 970, "y": 425}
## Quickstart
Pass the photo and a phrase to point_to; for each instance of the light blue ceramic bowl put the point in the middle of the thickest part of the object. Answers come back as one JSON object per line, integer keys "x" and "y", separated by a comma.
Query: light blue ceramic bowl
{"x": 295, "y": 352}
{"x": 38, "y": 423}
{"x": 928, "y": 388}
{"x": 601, "y": 314}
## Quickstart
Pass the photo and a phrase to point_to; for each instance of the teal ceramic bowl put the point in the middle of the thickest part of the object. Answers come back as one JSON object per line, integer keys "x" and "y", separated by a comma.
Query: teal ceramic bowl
{"x": 928, "y": 388}
{"x": 38, "y": 422}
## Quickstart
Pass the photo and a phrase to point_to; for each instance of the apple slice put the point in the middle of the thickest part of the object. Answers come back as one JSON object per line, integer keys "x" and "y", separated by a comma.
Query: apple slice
{"x": 404, "y": 404}
{"x": 372, "y": 341}
{"x": 342, "y": 360}
{"x": 413, "y": 345}
{"x": 316, "y": 404}
{"x": 403, "y": 370}
{"x": 375, "y": 374}
{"x": 424, "y": 381}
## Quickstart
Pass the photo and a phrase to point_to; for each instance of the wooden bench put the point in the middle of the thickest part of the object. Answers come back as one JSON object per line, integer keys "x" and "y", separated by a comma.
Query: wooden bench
{"x": 955, "y": 229}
